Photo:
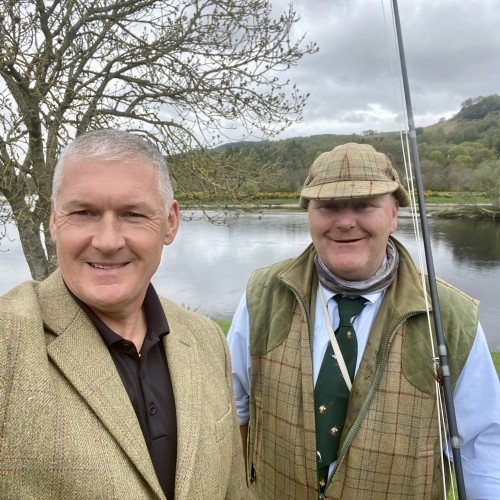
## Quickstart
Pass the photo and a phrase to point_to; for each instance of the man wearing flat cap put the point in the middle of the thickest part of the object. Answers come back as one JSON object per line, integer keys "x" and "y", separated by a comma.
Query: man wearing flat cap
{"x": 332, "y": 357}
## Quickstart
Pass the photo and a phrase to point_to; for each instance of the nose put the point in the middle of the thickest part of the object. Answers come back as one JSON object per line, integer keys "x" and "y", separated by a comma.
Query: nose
{"x": 345, "y": 218}
{"x": 108, "y": 237}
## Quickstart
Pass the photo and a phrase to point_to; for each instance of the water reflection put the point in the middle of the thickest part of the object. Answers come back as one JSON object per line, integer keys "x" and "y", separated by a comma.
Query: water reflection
{"x": 476, "y": 243}
{"x": 207, "y": 266}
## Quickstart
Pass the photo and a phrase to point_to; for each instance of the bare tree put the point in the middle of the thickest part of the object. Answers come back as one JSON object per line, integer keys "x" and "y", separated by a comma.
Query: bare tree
{"x": 183, "y": 73}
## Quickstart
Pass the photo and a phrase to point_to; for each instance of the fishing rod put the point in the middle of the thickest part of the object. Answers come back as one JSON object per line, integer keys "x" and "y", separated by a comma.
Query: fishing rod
{"x": 442, "y": 351}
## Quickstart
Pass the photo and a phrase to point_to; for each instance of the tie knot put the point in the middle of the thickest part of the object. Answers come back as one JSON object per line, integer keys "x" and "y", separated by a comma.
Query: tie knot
{"x": 349, "y": 308}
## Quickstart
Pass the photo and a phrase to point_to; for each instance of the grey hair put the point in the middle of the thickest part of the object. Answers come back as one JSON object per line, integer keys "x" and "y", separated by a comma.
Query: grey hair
{"x": 114, "y": 145}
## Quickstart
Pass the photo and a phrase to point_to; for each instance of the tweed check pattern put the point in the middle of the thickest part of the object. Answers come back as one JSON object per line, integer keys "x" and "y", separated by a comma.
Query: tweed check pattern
{"x": 393, "y": 451}
{"x": 352, "y": 171}
{"x": 331, "y": 394}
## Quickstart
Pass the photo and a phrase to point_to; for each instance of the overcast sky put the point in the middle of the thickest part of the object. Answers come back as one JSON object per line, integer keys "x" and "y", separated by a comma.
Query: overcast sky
{"x": 452, "y": 53}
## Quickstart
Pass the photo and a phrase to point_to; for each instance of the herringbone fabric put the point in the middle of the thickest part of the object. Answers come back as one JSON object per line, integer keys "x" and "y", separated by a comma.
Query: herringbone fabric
{"x": 331, "y": 394}
{"x": 68, "y": 429}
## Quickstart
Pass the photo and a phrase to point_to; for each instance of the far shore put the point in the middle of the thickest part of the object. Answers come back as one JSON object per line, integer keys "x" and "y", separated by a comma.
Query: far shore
{"x": 449, "y": 209}
{"x": 445, "y": 210}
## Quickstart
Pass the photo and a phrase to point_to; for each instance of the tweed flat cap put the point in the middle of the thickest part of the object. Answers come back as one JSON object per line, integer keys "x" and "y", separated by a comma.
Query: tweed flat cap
{"x": 352, "y": 171}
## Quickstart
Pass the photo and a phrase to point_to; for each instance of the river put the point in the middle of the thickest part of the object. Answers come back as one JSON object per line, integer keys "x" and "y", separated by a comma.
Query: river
{"x": 208, "y": 265}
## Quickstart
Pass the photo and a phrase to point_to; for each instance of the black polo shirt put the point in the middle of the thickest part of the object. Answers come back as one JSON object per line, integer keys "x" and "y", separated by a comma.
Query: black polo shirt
{"x": 146, "y": 378}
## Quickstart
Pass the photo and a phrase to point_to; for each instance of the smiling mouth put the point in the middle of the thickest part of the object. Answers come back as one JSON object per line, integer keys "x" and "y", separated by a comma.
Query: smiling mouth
{"x": 101, "y": 266}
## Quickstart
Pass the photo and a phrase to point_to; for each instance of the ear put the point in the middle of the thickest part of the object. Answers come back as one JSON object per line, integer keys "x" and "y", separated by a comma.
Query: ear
{"x": 395, "y": 213}
{"x": 52, "y": 223}
{"x": 173, "y": 221}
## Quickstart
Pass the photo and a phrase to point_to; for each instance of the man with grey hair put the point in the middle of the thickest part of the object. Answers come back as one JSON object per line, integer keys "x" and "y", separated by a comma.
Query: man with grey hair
{"x": 332, "y": 360}
{"x": 106, "y": 389}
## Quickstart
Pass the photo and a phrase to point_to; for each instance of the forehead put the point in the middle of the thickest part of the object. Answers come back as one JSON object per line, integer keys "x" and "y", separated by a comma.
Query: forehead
{"x": 112, "y": 178}
{"x": 94, "y": 169}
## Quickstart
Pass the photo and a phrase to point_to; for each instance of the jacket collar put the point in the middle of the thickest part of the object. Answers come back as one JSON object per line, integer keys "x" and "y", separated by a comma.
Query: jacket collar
{"x": 300, "y": 270}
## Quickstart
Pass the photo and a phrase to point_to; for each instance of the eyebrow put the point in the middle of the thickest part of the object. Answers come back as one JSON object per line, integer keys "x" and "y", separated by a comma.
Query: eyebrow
{"x": 84, "y": 204}
{"x": 72, "y": 204}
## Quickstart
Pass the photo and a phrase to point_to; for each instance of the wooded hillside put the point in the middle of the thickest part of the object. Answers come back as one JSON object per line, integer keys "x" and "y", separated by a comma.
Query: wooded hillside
{"x": 460, "y": 154}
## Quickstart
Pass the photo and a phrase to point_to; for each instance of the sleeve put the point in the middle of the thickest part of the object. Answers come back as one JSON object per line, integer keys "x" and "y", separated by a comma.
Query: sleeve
{"x": 12, "y": 331}
{"x": 237, "y": 487}
{"x": 477, "y": 408}
{"x": 239, "y": 345}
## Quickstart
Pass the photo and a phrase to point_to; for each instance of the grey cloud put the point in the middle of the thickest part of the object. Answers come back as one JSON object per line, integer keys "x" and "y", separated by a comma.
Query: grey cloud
{"x": 452, "y": 51}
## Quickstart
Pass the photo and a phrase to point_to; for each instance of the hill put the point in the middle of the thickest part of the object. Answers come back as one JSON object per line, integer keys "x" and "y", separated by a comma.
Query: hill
{"x": 450, "y": 151}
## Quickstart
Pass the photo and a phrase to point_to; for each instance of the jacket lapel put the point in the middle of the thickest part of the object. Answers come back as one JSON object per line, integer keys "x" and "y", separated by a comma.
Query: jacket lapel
{"x": 182, "y": 358}
{"x": 82, "y": 357}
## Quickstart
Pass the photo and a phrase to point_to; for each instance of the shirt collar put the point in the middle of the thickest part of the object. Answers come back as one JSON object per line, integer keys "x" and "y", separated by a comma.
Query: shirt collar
{"x": 371, "y": 297}
{"x": 155, "y": 317}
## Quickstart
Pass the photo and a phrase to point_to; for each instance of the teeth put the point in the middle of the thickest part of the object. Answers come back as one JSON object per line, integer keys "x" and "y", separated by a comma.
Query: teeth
{"x": 98, "y": 266}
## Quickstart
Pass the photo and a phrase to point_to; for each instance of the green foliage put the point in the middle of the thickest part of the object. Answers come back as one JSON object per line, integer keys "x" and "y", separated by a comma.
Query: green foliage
{"x": 471, "y": 133}
{"x": 465, "y": 160}
{"x": 475, "y": 109}
{"x": 455, "y": 151}
{"x": 437, "y": 156}
{"x": 487, "y": 178}
{"x": 449, "y": 152}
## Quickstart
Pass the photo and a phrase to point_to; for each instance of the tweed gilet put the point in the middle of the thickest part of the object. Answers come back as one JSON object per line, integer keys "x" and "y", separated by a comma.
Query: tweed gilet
{"x": 390, "y": 444}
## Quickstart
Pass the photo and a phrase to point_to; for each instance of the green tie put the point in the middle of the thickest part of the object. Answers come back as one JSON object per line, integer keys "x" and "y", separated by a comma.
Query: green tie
{"x": 331, "y": 393}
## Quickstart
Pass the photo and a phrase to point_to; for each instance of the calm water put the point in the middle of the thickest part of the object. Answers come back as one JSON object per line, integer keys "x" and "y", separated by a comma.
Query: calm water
{"x": 207, "y": 266}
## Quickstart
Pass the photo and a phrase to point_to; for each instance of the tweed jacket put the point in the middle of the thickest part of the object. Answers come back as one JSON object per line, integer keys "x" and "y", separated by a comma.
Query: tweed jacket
{"x": 67, "y": 427}
{"x": 390, "y": 445}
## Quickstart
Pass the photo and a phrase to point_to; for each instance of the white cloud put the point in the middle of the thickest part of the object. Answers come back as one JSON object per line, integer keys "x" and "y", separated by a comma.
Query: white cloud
{"x": 452, "y": 53}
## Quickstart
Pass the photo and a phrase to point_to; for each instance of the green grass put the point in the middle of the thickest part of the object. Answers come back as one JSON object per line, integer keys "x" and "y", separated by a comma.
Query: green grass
{"x": 264, "y": 203}
{"x": 277, "y": 201}
{"x": 224, "y": 324}
{"x": 496, "y": 361}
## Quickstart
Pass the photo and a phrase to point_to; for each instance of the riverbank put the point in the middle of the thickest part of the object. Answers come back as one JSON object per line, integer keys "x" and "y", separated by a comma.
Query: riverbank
{"x": 452, "y": 210}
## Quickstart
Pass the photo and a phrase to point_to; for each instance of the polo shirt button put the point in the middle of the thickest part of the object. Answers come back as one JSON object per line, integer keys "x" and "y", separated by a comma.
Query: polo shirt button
{"x": 128, "y": 347}
{"x": 152, "y": 409}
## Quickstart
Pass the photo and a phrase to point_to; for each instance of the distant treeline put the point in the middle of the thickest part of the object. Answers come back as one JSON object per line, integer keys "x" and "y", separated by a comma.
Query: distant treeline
{"x": 460, "y": 154}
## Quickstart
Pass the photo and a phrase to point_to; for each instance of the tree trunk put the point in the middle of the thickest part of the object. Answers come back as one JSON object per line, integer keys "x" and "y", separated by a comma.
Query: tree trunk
{"x": 29, "y": 228}
{"x": 33, "y": 248}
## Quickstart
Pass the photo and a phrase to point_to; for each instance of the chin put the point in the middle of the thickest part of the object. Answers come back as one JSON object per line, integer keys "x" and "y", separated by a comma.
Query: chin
{"x": 347, "y": 271}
